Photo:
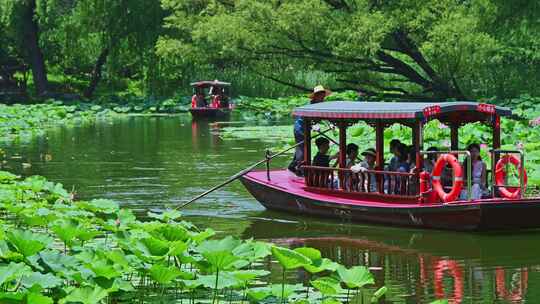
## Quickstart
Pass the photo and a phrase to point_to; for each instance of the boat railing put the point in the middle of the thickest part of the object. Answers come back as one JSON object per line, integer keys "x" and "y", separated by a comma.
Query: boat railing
{"x": 366, "y": 181}
{"x": 495, "y": 154}
{"x": 468, "y": 169}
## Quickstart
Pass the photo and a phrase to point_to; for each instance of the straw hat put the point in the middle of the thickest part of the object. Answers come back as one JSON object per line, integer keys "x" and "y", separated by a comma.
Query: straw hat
{"x": 319, "y": 89}
{"x": 370, "y": 151}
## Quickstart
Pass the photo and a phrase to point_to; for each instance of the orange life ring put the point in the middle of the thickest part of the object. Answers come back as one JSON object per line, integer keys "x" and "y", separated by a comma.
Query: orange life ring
{"x": 458, "y": 177}
{"x": 457, "y": 274}
{"x": 500, "y": 176}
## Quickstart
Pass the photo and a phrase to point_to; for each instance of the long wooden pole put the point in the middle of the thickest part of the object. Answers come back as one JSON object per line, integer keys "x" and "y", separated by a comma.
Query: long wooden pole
{"x": 246, "y": 171}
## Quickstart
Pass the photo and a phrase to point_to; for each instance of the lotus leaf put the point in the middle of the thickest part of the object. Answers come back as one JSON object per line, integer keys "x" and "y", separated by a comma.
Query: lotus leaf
{"x": 287, "y": 290}
{"x": 259, "y": 293}
{"x": 355, "y": 277}
{"x": 13, "y": 271}
{"x": 47, "y": 280}
{"x": 28, "y": 243}
{"x": 85, "y": 295}
{"x": 166, "y": 215}
{"x": 288, "y": 258}
{"x": 225, "y": 280}
{"x": 328, "y": 286}
{"x": 163, "y": 274}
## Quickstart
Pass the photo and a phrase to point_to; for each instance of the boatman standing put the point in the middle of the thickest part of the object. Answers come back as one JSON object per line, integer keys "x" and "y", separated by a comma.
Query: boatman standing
{"x": 318, "y": 95}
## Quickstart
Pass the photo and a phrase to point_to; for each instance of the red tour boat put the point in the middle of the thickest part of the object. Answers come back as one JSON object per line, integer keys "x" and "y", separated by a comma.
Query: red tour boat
{"x": 418, "y": 198}
{"x": 216, "y": 104}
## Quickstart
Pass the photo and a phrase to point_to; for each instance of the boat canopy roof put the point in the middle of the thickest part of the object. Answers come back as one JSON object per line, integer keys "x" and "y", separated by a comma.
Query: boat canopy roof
{"x": 210, "y": 83}
{"x": 455, "y": 112}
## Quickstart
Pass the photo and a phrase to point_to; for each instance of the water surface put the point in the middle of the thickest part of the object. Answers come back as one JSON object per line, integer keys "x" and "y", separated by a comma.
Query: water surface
{"x": 150, "y": 162}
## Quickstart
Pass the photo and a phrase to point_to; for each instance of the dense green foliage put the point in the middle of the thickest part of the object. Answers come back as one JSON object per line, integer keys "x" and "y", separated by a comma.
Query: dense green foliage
{"x": 56, "y": 249}
{"x": 401, "y": 49}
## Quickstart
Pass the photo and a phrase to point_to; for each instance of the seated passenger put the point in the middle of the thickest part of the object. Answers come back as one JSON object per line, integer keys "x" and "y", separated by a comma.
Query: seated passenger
{"x": 429, "y": 161}
{"x": 394, "y": 144}
{"x": 370, "y": 155}
{"x": 352, "y": 155}
{"x": 198, "y": 101}
{"x": 322, "y": 159}
{"x": 401, "y": 154}
{"x": 478, "y": 178}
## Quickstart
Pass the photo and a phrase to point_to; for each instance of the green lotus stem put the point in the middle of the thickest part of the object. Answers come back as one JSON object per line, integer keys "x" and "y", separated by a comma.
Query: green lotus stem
{"x": 283, "y": 287}
{"x": 215, "y": 288}
{"x": 348, "y": 292}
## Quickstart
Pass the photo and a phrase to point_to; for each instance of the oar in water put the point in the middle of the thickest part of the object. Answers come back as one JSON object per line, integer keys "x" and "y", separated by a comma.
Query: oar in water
{"x": 247, "y": 170}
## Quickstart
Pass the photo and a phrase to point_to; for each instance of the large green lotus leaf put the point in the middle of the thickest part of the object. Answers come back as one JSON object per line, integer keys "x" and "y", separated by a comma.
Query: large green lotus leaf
{"x": 221, "y": 260}
{"x": 172, "y": 232}
{"x": 86, "y": 233}
{"x": 7, "y": 254}
{"x": 153, "y": 247}
{"x": 47, "y": 280}
{"x": 7, "y": 177}
{"x": 247, "y": 276}
{"x": 327, "y": 286}
{"x": 28, "y": 243}
{"x": 311, "y": 253}
{"x": 177, "y": 248}
{"x": 166, "y": 216}
{"x": 252, "y": 251}
{"x": 288, "y": 258}
{"x": 163, "y": 274}
{"x": 321, "y": 265}
{"x": 58, "y": 262}
{"x": 355, "y": 277}
{"x": 13, "y": 271}
{"x": 36, "y": 298}
{"x": 441, "y": 301}
{"x": 225, "y": 280}
{"x": 85, "y": 295}
{"x": 100, "y": 205}
{"x": 12, "y": 297}
{"x": 118, "y": 257}
{"x": 226, "y": 244}
{"x": 199, "y": 237}
{"x": 287, "y": 290}
{"x": 66, "y": 230}
{"x": 103, "y": 269}
{"x": 258, "y": 294}
{"x": 126, "y": 217}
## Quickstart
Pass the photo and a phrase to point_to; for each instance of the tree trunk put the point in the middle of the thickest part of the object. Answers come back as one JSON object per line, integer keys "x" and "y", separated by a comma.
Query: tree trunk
{"x": 31, "y": 43}
{"x": 96, "y": 73}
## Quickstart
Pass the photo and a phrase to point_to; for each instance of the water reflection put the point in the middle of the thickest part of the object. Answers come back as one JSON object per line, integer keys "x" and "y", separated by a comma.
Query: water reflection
{"x": 418, "y": 266}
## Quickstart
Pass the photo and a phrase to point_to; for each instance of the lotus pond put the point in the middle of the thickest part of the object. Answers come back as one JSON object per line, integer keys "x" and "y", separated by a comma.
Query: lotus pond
{"x": 147, "y": 165}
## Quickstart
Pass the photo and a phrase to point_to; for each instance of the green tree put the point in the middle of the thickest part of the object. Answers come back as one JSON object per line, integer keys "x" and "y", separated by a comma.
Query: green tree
{"x": 403, "y": 49}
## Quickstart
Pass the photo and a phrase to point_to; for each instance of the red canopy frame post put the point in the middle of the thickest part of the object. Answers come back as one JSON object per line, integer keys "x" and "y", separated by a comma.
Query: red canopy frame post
{"x": 418, "y": 143}
{"x": 307, "y": 142}
{"x": 342, "y": 144}
{"x": 496, "y": 144}
{"x": 379, "y": 147}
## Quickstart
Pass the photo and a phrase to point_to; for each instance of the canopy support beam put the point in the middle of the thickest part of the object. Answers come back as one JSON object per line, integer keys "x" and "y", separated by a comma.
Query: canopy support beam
{"x": 379, "y": 147}
{"x": 454, "y": 137}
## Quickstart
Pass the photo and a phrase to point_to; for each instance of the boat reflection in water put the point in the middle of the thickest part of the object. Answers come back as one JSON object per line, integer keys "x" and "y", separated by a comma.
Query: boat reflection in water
{"x": 419, "y": 266}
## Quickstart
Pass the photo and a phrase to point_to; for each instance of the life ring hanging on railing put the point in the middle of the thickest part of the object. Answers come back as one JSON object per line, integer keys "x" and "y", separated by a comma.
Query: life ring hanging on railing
{"x": 500, "y": 176}
{"x": 458, "y": 177}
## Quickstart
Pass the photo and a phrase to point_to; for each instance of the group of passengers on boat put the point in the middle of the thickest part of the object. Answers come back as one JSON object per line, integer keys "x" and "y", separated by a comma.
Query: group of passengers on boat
{"x": 216, "y": 96}
{"x": 403, "y": 160}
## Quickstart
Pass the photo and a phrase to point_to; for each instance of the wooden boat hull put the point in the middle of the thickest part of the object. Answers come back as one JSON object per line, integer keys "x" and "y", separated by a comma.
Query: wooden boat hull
{"x": 485, "y": 215}
{"x": 210, "y": 112}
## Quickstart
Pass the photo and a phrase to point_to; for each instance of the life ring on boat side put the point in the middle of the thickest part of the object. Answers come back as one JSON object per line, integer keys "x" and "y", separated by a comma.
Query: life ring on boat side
{"x": 457, "y": 275}
{"x": 458, "y": 177}
{"x": 500, "y": 176}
